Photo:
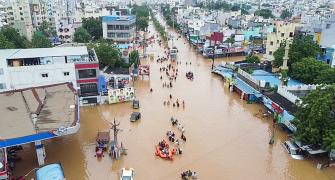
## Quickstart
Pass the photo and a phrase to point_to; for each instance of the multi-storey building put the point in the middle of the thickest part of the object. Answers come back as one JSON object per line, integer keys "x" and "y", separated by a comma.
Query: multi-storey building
{"x": 120, "y": 29}
{"x": 283, "y": 31}
{"x": 18, "y": 15}
{"x": 24, "y": 68}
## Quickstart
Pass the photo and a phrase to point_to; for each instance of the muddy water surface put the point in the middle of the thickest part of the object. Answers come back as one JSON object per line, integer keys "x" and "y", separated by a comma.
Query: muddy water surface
{"x": 225, "y": 140}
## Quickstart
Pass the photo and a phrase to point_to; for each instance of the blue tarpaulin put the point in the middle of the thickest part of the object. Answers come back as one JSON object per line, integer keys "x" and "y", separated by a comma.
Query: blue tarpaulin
{"x": 50, "y": 172}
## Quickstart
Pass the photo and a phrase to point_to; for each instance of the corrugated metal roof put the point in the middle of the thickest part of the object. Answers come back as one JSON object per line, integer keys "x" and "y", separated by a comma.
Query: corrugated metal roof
{"x": 42, "y": 52}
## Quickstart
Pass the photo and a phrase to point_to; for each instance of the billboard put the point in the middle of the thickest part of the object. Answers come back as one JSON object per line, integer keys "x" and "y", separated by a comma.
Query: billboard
{"x": 120, "y": 95}
{"x": 144, "y": 69}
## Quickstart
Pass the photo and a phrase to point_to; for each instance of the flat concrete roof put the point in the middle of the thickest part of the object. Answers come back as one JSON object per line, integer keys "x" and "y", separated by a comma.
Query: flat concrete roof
{"x": 42, "y": 52}
{"x": 55, "y": 106}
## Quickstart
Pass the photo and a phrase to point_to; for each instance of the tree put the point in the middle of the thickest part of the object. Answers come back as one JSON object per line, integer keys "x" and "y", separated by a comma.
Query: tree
{"x": 142, "y": 23}
{"x": 4, "y": 43}
{"x": 244, "y": 11}
{"x": 108, "y": 54}
{"x": 252, "y": 59}
{"x": 315, "y": 118}
{"x": 13, "y": 36}
{"x": 278, "y": 55}
{"x": 265, "y": 13}
{"x": 235, "y": 7}
{"x": 93, "y": 26}
{"x": 134, "y": 58}
{"x": 326, "y": 76}
{"x": 81, "y": 35}
{"x": 285, "y": 14}
{"x": 46, "y": 29}
{"x": 308, "y": 70}
{"x": 302, "y": 47}
{"x": 40, "y": 41}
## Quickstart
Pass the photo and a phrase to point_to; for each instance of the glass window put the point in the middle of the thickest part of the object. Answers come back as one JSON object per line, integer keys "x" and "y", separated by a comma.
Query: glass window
{"x": 66, "y": 73}
{"x": 87, "y": 73}
{"x": 45, "y": 75}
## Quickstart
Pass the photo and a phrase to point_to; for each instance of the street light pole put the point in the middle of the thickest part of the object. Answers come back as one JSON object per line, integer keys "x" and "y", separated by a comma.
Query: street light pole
{"x": 213, "y": 57}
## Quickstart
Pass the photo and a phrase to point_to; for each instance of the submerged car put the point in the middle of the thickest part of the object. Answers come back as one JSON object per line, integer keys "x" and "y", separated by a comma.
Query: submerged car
{"x": 127, "y": 174}
{"x": 135, "y": 116}
{"x": 293, "y": 150}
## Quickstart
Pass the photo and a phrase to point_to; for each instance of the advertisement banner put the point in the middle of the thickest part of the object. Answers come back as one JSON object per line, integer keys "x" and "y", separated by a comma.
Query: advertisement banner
{"x": 144, "y": 69}
{"x": 120, "y": 95}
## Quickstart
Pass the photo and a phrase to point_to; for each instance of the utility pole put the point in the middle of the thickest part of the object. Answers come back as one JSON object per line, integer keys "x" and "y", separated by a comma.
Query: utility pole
{"x": 115, "y": 130}
{"x": 213, "y": 56}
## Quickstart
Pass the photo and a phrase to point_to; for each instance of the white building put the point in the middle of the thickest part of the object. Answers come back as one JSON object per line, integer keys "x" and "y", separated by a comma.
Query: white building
{"x": 24, "y": 68}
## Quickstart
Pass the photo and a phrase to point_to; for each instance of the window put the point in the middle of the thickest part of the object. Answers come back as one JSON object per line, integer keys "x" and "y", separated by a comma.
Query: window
{"x": 22, "y": 19}
{"x": 282, "y": 34}
{"x": 45, "y": 75}
{"x": 271, "y": 43}
{"x": 327, "y": 26}
{"x": 87, "y": 73}
{"x": 1, "y": 71}
{"x": 20, "y": 8}
{"x": 90, "y": 88}
{"x": 270, "y": 52}
{"x": 21, "y": 13}
{"x": 291, "y": 34}
{"x": 66, "y": 73}
{"x": 277, "y": 41}
{"x": 2, "y": 86}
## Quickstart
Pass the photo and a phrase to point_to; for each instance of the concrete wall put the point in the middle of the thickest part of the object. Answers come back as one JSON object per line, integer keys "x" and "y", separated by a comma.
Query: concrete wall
{"x": 30, "y": 76}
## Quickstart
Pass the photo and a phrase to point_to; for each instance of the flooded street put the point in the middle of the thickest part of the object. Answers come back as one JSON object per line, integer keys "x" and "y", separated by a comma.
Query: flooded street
{"x": 225, "y": 140}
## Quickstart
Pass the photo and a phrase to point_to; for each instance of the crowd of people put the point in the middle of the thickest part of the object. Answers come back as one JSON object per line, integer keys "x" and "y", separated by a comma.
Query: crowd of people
{"x": 189, "y": 174}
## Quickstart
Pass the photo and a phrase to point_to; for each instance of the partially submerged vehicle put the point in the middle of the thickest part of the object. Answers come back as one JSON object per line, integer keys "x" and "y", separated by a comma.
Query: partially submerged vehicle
{"x": 127, "y": 174}
{"x": 293, "y": 150}
{"x": 135, "y": 116}
{"x": 50, "y": 172}
{"x": 136, "y": 104}
{"x": 102, "y": 142}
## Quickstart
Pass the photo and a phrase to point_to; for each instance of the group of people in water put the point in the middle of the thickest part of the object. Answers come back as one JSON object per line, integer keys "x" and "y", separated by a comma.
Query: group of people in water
{"x": 176, "y": 103}
{"x": 168, "y": 75}
{"x": 189, "y": 174}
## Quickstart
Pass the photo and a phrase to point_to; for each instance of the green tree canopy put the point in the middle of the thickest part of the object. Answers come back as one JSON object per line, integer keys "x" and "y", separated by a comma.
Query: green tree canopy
{"x": 308, "y": 70}
{"x": 315, "y": 118}
{"x": 134, "y": 58}
{"x": 142, "y": 23}
{"x": 265, "y": 13}
{"x": 13, "y": 36}
{"x": 46, "y": 29}
{"x": 108, "y": 54}
{"x": 252, "y": 59}
{"x": 4, "y": 43}
{"x": 235, "y": 7}
{"x": 301, "y": 47}
{"x": 40, "y": 41}
{"x": 81, "y": 35}
{"x": 285, "y": 14}
{"x": 278, "y": 55}
{"x": 93, "y": 26}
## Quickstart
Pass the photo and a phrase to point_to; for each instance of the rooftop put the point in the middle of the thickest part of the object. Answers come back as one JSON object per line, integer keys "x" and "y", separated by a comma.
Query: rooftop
{"x": 273, "y": 79}
{"x": 54, "y": 107}
{"x": 42, "y": 52}
{"x": 118, "y": 18}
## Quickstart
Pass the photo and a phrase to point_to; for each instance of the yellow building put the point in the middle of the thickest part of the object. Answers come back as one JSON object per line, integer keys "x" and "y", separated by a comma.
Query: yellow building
{"x": 282, "y": 31}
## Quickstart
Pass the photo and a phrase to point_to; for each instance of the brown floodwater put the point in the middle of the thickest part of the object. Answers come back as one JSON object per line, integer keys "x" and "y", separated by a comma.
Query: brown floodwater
{"x": 225, "y": 140}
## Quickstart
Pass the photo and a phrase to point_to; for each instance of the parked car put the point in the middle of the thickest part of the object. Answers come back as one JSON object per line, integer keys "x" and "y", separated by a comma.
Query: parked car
{"x": 127, "y": 174}
{"x": 135, "y": 116}
{"x": 136, "y": 104}
{"x": 293, "y": 150}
